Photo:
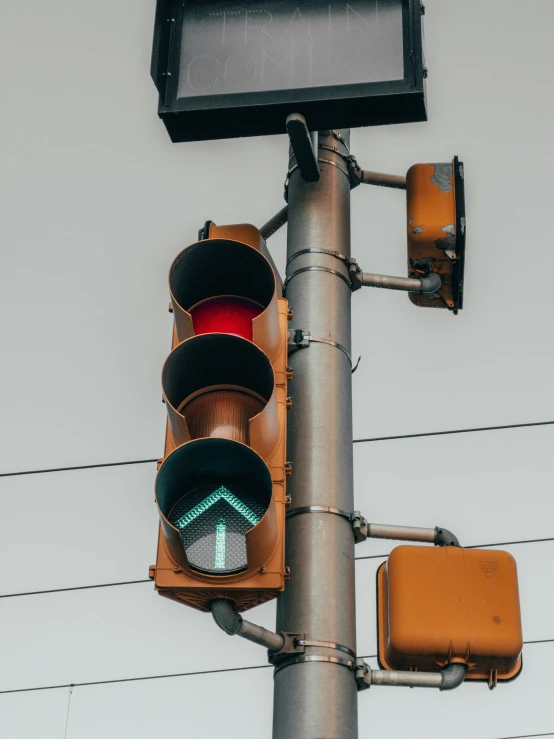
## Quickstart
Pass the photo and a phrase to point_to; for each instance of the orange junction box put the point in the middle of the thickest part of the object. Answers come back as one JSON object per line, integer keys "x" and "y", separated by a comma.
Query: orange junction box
{"x": 438, "y": 605}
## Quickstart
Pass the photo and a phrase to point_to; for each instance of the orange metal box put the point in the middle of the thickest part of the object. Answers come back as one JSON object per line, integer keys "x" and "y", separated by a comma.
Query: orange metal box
{"x": 448, "y": 604}
{"x": 436, "y": 230}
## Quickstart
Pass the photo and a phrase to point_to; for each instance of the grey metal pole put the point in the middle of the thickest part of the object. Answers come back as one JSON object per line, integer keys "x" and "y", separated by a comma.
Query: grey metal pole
{"x": 318, "y": 698}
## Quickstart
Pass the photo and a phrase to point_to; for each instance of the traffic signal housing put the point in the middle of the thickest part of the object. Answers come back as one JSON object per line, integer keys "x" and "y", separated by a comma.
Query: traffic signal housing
{"x": 438, "y": 605}
{"x": 436, "y": 230}
{"x": 221, "y": 489}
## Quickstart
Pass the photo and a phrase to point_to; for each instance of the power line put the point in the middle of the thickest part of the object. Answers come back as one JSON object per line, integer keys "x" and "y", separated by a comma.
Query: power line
{"x": 508, "y": 543}
{"x": 80, "y": 467}
{"x": 190, "y": 674}
{"x": 456, "y": 431}
{"x": 77, "y": 587}
{"x": 146, "y": 677}
{"x": 475, "y": 546}
{"x": 134, "y": 679}
{"x": 355, "y": 441}
{"x": 138, "y": 582}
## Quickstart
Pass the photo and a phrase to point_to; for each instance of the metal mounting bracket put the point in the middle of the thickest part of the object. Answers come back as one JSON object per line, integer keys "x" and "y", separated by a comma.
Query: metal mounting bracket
{"x": 359, "y": 523}
{"x": 300, "y": 339}
{"x": 290, "y": 647}
{"x": 363, "y": 530}
{"x": 360, "y": 527}
{"x": 427, "y": 285}
{"x": 449, "y": 678}
{"x": 304, "y": 146}
{"x": 295, "y": 645}
{"x": 362, "y": 670}
{"x": 438, "y": 536}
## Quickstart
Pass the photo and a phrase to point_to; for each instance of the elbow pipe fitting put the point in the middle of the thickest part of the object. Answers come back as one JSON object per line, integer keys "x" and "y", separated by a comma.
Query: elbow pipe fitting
{"x": 225, "y": 616}
{"x": 445, "y": 538}
{"x": 430, "y": 283}
{"x": 453, "y": 676}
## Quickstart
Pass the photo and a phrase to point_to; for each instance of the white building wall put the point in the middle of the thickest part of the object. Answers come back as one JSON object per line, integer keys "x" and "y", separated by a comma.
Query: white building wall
{"x": 96, "y": 202}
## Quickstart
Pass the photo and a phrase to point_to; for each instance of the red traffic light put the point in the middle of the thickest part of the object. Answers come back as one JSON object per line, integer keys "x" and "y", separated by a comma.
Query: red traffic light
{"x": 226, "y": 315}
{"x": 220, "y": 489}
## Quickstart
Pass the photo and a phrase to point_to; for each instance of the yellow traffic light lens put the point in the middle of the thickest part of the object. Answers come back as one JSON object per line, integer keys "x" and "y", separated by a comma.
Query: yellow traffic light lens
{"x": 212, "y": 521}
{"x": 222, "y": 412}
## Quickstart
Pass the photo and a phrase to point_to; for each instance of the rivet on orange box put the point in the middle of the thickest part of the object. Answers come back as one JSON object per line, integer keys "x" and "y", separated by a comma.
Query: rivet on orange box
{"x": 449, "y": 604}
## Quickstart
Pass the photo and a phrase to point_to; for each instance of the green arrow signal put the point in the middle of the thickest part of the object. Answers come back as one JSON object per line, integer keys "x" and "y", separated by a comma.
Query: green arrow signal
{"x": 220, "y": 530}
{"x": 220, "y": 494}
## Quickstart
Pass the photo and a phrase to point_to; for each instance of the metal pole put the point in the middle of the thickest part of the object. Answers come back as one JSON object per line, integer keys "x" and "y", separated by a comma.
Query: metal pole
{"x": 316, "y": 699}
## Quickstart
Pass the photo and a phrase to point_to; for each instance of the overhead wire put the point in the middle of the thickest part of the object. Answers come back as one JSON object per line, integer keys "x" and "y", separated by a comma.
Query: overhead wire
{"x": 254, "y": 667}
{"x": 147, "y": 580}
{"x": 147, "y": 677}
{"x": 75, "y": 587}
{"x": 196, "y": 673}
{"x": 79, "y": 467}
{"x": 355, "y": 441}
{"x": 475, "y": 546}
{"x": 455, "y": 431}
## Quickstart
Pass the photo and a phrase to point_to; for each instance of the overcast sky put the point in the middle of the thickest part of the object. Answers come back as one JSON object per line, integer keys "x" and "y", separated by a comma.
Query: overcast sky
{"x": 96, "y": 202}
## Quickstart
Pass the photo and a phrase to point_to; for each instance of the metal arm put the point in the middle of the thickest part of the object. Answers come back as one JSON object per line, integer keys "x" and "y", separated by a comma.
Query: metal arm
{"x": 452, "y": 676}
{"x": 430, "y": 283}
{"x": 383, "y": 180}
{"x": 438, "y": 536}
{"x": 304, "y": 145}
{"x": 275, "y": 223}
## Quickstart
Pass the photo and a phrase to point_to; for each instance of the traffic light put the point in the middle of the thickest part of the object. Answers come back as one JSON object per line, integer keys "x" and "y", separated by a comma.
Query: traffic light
{"x": 439, "y": 605}
{"x": 220, "y": 488}
{"x": 436, "y": 231}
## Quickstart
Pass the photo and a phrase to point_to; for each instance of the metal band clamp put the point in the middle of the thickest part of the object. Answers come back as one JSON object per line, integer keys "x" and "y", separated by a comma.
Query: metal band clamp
{"x": 358, "y": 522}
{"x": 317, "y": 269}
{"x": 319, "y": 509}
{"x": 299, "y": 339}
{"x": 351, "y": 664}
{"x": 326, "y": 644}
{"x": 316, "y": 250}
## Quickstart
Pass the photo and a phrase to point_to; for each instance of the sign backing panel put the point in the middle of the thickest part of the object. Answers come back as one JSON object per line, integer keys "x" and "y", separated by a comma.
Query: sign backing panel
{"x": 227, "y": 68}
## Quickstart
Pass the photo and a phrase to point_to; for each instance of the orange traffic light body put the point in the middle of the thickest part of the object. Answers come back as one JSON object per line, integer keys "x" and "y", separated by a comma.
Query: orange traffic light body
{"x": 447, "y": 604}
{"x": 436, "y": 230}
{"x": 221, "y": 488}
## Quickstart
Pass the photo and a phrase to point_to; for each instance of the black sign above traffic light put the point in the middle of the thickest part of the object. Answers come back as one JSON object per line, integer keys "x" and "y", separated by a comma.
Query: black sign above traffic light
{"x": 239, "y": 68}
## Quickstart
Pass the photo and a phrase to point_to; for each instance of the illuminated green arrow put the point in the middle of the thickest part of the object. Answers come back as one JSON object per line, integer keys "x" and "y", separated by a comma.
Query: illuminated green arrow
{"x": 220, "y": 530}
{"x": 220, "y": 494}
